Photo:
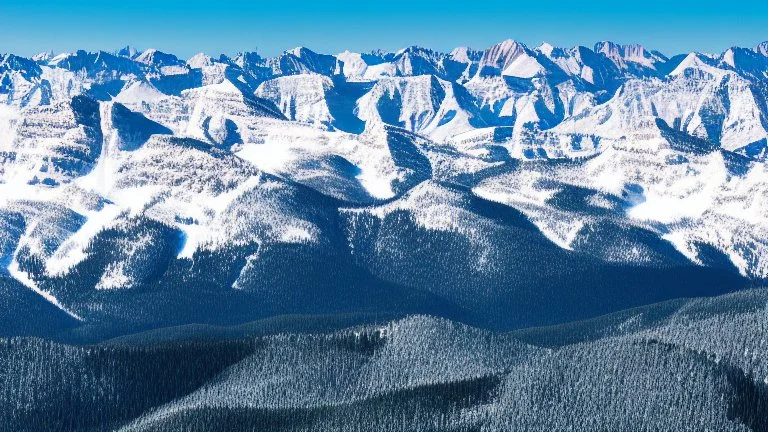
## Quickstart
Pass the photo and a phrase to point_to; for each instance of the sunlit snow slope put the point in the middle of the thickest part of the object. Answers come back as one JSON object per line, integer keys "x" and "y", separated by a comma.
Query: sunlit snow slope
{"x": 503, "y": 187}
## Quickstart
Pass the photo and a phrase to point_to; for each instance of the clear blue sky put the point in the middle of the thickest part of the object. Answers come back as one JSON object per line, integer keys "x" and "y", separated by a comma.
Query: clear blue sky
{"x": 229, "y": 26}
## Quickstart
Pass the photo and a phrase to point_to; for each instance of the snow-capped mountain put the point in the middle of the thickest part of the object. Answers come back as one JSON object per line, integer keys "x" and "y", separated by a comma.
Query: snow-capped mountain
{"x": 140, "y": 189}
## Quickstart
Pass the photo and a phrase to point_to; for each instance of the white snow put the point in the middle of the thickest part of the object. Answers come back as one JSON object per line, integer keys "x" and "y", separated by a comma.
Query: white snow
{"x": 611, "y": 142}
{"x": 24, "y": 278}
{"x": 139, "y": 91}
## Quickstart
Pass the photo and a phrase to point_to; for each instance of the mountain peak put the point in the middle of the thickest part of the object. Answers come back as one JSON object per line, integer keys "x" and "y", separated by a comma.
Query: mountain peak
{"x": 637, "y": 54}
{"x": 127, "y": 51}
{"x": 465, "y": 55}
{"x": 606, "y": 47}
{"x": 509, "y": 42}
{"x": 248, "y": 56}
{"x": 157, "y": 58}
{"x": 200, "y": 60}
{"x": 546, "y": 48}
{"x": 43, "y": 57}
{"x": 299, "y": 51}
{"x": 502, "y": 54}
{"x": 414, "y": 49}
{"x": 695, "y": 62}
{"x": 625, "y": 51}
{"x": 729, "y": 57}
{"x": 762, "y": 48}
{"x": 146, "y": 56}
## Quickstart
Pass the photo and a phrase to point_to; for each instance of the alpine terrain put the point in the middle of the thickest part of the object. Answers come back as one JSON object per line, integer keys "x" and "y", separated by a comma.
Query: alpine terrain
{"x": 514, "y": 238}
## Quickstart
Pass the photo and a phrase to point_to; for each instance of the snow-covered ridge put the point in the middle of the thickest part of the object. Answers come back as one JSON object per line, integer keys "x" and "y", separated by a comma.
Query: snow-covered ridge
{"x": 509, "y": 84}
{"x": 176, "y": 158}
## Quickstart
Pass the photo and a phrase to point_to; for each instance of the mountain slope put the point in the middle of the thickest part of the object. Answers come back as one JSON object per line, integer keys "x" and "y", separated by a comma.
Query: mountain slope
{"x": 502, "y": 187}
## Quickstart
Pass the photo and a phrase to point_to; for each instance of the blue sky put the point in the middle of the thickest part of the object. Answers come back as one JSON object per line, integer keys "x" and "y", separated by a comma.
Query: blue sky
{"x": 229, "y": 26}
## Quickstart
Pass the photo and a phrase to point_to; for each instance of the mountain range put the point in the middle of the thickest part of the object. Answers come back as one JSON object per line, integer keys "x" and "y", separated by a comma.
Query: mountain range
{"x": 548, "y": 213}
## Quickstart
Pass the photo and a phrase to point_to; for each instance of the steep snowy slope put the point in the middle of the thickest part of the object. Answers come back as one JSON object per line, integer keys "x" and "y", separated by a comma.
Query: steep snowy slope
{"x": 303, "y": 60}
{"x": 411, "y": 61}
{"x": 462, "y": 241}
{"x": 684, "y": 188}
{"x": 300, "y": 97}
{"x": 49, "y": 144}
{"x": 762, "y": 48}
{"x": 633, "y": 60}
{"x": 509, "y": 58}
{"x": 218, "y": 188}
{"x": 223, "y": 114}
{"x": 296, "y": 61}
{"x": 20, "y": 82}
{"x": 317, "y": 99}
{"x": 378, "y": 164}
{"x": 168, "y": 64}
{"x": 424, "y": 104}
{"x": 748, "y": 63}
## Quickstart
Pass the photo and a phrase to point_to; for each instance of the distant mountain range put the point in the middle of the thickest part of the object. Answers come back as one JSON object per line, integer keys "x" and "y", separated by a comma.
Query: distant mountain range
{"x": 468, "y": 184}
